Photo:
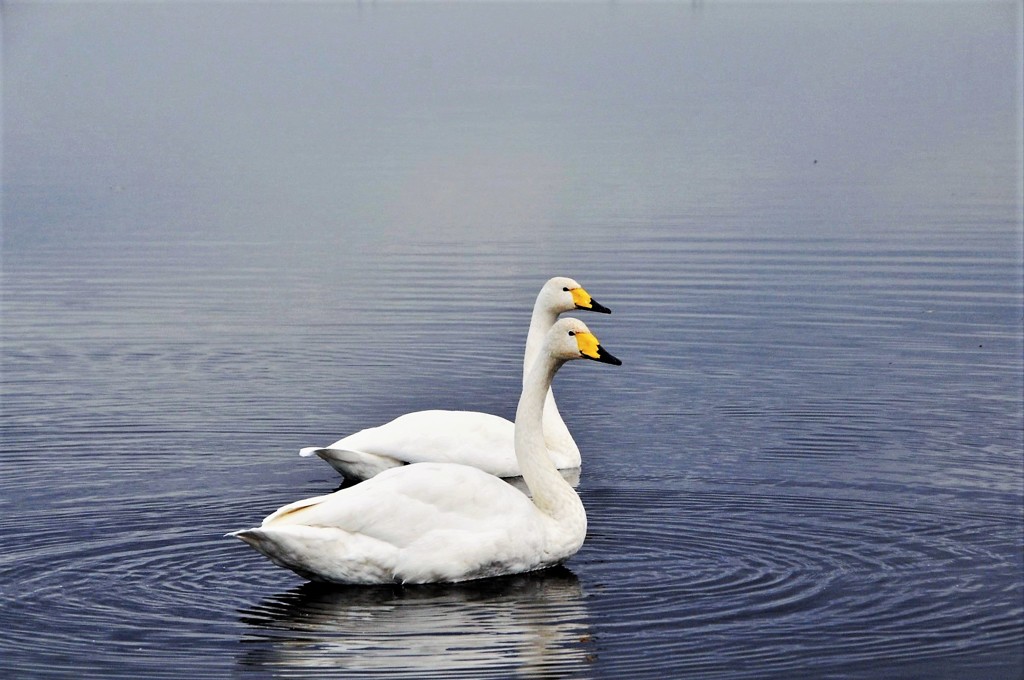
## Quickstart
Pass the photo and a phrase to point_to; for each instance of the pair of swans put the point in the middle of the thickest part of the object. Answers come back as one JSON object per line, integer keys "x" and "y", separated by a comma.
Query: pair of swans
{"x": 431, "y": 522}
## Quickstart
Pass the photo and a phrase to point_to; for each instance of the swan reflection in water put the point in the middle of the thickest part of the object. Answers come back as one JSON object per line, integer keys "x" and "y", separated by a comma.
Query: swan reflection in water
{"x": 529, "y": 625}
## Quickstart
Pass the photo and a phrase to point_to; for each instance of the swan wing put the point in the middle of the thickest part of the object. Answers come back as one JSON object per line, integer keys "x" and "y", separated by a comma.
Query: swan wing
{"x": 419, "y": 523}
{"x": 481, "y": 440}
{"x": 400, "y": 504}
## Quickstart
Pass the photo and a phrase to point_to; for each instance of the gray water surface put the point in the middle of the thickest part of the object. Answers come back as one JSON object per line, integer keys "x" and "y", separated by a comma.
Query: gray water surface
{"x": 231, "y": 231}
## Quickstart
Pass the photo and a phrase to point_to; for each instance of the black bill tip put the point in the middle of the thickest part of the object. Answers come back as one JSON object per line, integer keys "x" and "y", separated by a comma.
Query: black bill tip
{"x": 606, "y": 358}
{"x": 596, "y": 306}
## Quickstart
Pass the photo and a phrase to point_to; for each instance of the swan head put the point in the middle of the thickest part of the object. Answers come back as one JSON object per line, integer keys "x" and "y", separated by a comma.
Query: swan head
{"x": 562, "y": 294}
{"x": 571, "y": 339}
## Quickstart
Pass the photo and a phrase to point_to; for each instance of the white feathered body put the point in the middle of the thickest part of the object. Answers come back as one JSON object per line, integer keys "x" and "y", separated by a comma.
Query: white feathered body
{"x": 440, "y": 523}
{"x": 481, "y": 440}
{"x": 471, "y": 438}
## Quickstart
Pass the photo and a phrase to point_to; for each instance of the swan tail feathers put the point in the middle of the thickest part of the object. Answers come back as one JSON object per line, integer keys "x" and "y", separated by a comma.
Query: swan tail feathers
{"x": 250, "y": 536}
{"x": 354, "y": 465}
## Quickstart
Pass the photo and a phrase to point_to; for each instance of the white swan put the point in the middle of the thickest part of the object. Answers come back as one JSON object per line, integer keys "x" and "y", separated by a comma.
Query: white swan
{"x": 443, "y": 522}
{"x": 468, "y": 437}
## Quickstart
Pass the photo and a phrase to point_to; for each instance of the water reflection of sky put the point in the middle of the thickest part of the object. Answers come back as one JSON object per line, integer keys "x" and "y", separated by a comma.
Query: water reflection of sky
{"x": 306, "y": 119}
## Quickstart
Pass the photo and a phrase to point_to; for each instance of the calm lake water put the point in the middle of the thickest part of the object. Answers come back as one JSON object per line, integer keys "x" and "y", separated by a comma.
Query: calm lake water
{"x": 232, "y": 231}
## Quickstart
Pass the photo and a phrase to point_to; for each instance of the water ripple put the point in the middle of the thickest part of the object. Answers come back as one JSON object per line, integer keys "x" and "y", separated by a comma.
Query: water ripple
{"x": 841, "y": 579}
{"x": 800, "y": 472}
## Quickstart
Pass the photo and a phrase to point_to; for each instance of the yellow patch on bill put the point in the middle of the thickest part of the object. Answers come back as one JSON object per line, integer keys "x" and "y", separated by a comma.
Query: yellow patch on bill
{"x": 588, "y": 345}
{"x": 581, "y": 298}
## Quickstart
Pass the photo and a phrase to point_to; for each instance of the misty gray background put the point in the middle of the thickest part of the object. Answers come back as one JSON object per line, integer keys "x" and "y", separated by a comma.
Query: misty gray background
{"x": 371, "y": 120}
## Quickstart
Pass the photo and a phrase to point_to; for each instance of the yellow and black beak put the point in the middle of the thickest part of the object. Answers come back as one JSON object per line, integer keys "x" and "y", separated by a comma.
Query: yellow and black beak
{"x": 591, "y": 349}
{"x": 584, "y": 301}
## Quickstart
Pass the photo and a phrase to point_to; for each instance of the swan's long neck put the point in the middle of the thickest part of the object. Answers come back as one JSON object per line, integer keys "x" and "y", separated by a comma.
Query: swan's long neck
{"x": 540, "y": 323}
{"x": 556, "y": 435}
{"x": 551, "y": 493}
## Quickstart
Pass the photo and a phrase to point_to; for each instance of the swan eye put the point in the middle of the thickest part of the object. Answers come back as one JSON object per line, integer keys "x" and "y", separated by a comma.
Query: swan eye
{"x": 572, "y": 332}
{"x": 566, "y": 289}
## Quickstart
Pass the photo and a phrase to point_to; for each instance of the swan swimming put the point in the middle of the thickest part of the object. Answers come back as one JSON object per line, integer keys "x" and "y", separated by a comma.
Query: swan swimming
{"x": 472, "y": 438}
{"x": 444, "y": 522}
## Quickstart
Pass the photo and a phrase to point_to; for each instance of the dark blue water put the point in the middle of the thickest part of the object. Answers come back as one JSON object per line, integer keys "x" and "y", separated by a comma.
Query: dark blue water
{"x": 233, "y": 231}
